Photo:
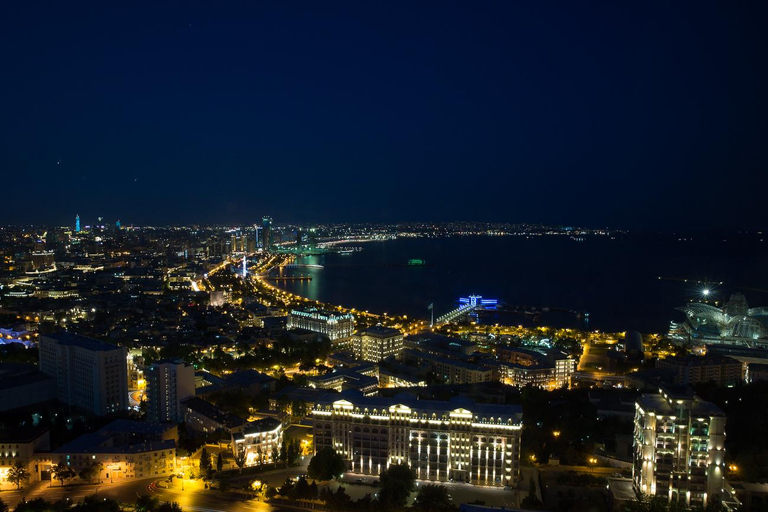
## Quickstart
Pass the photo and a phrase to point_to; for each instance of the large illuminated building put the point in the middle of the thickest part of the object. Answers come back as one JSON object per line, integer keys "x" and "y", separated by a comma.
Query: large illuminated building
{"x": 377, "y": 343}
{"x": 457, "y": 440}
{"x": 333, "y": 325}
{"x": 679, "y": 447}
{"x": 735, "y": 323}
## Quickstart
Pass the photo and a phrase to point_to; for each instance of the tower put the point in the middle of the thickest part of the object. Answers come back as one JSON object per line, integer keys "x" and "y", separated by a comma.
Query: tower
{"x": 245, "y": 266}
{"x": 266, "y": 232}
{"x": 77, "y": 223}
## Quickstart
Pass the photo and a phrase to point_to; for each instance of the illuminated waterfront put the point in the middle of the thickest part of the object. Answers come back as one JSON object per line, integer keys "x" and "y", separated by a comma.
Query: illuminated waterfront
{"x": 616, "y": 281}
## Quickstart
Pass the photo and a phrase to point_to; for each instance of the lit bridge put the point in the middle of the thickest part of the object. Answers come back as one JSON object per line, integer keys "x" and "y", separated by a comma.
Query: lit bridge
{"x": 455, "y": 314}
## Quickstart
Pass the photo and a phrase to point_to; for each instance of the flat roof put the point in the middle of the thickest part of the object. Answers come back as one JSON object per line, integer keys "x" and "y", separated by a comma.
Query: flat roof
{"x": 493, "y": 410}
{"x": 68, "y": 338}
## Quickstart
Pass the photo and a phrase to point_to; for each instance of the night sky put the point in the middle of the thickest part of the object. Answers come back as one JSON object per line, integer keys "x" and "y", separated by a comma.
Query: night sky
{"x": 622, "y": 114}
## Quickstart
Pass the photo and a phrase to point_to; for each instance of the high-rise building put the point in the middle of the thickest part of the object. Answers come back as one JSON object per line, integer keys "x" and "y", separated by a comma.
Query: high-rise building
{"x": 333, "y": 325}
{"x": 168, "y": 383}
{"x": 456, "y": 440}
{"x": 266, "y": 232}
{"x": 77, "y": 223}
{"x": 679, "y": 447}
{"x": 377, "y": 343}
{"x": 91, "y": 375}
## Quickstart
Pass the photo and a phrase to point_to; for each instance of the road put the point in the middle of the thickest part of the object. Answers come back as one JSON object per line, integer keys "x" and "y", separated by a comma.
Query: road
{"x": 193, "y": 497}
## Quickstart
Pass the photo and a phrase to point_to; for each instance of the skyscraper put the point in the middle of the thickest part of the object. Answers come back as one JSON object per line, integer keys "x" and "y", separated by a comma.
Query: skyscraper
{"x": 168, "y": 383}
{"x": 266, "y": 232}
{"x": 77, "y": 223}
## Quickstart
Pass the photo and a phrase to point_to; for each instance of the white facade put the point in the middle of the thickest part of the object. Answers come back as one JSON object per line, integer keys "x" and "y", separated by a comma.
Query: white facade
{"x": 679, "y": 448}
{"x": 440, "y": 441}
{"x": 378, "y": 343}
{"x": 333, "y": 325}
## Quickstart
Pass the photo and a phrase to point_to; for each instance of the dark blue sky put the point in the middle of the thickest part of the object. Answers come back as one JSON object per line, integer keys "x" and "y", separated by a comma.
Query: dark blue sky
{"x": 639, "y": 115}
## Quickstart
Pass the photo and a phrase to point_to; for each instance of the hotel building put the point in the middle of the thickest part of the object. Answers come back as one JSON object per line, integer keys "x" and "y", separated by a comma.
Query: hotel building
{"x": 679, "y": 450}
{"x": 441, "y": 441}
{"x": 333, "y": 325}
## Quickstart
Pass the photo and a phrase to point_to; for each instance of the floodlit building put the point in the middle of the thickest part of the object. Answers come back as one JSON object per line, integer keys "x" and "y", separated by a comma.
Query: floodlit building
{"x": 91, "y": 375}
{"x": 168, "y": 383}
{"x": 679, "y": 447}
{"x": 259, "y": 441}
{"x": 333, "y": 325}
{"x": 521, "y": 367}
{"x": 455, "y": 440}
{"x": 22, "y": 446}
{"x": 377, "y": 343}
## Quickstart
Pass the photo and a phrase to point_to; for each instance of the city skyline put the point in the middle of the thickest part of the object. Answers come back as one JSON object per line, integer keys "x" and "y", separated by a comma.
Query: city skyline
{"x": 647, "y": 118}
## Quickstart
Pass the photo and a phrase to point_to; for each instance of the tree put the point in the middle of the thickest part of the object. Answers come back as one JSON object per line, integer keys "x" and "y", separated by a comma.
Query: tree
{"x": 62, "y": 472}
{"x": 531, "y": 502}
{"x": 90, "y": 472}
{"x": 397, "y": 483}
{"x": 205, "y": 461}
{"x": 169, "y": 506}
{"x": 95, "y": 504}
{"x": 18, "y": 474}
{"x": 219, "y": 463}
{"x": 326, "y": 465}
{"x": 146, "y": 503}
{"x": 240, "y": 456}
{"x": 433, "y": 498}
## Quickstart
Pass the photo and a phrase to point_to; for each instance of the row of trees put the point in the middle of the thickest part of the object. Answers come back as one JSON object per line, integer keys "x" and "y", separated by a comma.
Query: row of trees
{"x": 431, "y": 497}
{"x": 91, "y": 503}
{"x": 18, "y": 474}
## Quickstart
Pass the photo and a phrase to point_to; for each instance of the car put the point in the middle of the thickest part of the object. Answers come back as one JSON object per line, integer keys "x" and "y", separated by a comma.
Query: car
{"x": 358, "y": 480}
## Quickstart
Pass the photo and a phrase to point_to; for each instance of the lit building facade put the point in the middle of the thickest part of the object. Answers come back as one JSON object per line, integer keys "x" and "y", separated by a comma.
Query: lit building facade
{"x": 679, "y": 447}
{"x": 259, "y": 441}
{"x": 522, "y": 367}
{"x": 441, "y": 441}
{"x": 377, "y": 343}
{"x": 22, "y": 446}
{"x": 168, "y": 383}
{"x": 331, "y": 324}
{"x": 90, "y": 374}
{"x": 125, "y": 448}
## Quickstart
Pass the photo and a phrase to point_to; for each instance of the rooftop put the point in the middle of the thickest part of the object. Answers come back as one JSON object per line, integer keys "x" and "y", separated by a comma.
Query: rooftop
{"x": 381, "y": 332}
{"x": 513, "y": 412}
{"x": 71, "y": 339}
